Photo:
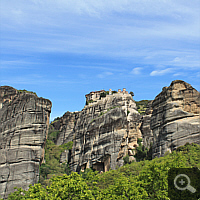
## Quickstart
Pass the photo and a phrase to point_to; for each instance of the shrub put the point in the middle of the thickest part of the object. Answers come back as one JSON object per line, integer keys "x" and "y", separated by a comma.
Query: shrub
{"x": 102, "y": 95}
{"x": 138, "y": 180}
{"x": 26, "y": 91}
{"x": 126, "y": 159}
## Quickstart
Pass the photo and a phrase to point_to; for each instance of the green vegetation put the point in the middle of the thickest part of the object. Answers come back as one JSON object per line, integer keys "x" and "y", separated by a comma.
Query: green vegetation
{"x": 138, "y": 180}
{"x": 126, "y": 159}
{"x": 143, "y": 153}
{"x": 103, "y": 94}
{"x": 53, "y": 135}
{"x": 131, "y": 93}
{"x": 102, "y": 113}
{"x": 128, "y": 112}
{"x": 55, "y": 120}
{"x": 112, "y": 108}
{"x": 142, "y": 106}
{"x": 52, "y": 165}
{"x": 88, "y": 102}
{"x": 26, "y": 91}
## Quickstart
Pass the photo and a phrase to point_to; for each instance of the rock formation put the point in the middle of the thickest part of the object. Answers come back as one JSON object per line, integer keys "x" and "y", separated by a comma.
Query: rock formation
{"x": 147, "y": 134}
{"x": 102, "y": 133}
{"x": 24, "y": 121}
{"x": 175, "y": 118}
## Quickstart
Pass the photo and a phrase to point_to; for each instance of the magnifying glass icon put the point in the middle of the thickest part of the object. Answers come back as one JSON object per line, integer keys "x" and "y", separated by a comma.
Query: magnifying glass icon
{"x": 188, "y": 186}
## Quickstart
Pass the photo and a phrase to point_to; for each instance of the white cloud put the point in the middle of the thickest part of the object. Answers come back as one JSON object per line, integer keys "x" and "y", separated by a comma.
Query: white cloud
{"x": 161, "y": 72}
{"x": 104, "y": 74}
{"x": 180, "y": 74}
{"x": 136, "y": 70}
{"x": 177, "y": 59}
{"x": 142, "y": 32}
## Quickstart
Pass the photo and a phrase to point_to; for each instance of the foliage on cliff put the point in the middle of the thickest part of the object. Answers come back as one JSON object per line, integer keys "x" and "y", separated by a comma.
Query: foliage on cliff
{"x": 52, "y": 165}
{"x": 26, "y": 91}
{"x": 142, "y": 106}
{"x": 142, "y": 152}
{"x": 138, "y": 180}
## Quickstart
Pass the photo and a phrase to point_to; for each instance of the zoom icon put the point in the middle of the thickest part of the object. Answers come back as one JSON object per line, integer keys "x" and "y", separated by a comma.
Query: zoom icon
{"x": 183, "y": 183}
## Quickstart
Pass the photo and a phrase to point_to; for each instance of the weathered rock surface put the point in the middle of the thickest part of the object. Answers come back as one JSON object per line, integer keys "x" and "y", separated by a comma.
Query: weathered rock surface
{"x": 24, "y": 121}
{"x": 175, "y": 118}
{"x": 102, "y": 133}
{"x": 147, "y": 134}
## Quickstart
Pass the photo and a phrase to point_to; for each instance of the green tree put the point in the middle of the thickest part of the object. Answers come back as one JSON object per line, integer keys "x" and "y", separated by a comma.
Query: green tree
{"x": 142, "y": 180}
{"x": 132, "y": 94}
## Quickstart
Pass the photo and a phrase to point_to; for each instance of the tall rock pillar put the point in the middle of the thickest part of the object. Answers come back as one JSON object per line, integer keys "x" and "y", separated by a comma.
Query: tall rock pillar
{"x": 24, "y": 121}
{"x": 176, "y": 117}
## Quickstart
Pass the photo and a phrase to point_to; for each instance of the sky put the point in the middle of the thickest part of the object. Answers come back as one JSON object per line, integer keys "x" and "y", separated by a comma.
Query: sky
{"x": 64, "y": 49}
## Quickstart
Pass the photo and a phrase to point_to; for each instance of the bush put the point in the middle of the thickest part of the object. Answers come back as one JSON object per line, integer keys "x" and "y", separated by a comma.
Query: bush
{"x": 53, "y": 135}
{"x": 138, "y": 180}
{"x": 52, "y": 165}
{"x": 126, "y": 159}
{"x": 102, "y": 95}
{"x": 26, "y": 91}
{"x": 142, "y": 106}
{"x": 143, "y": 153}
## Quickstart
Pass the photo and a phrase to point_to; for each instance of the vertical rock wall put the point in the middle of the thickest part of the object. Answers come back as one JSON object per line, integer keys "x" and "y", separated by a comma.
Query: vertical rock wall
{"x": 24, "y": 121}
{"x": 102, "y": 133}
{"x": 176, "y": 117}
{"x": 147, "y": 134}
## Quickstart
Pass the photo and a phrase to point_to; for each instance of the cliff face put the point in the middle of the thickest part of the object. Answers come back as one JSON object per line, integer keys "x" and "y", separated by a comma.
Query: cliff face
{"x": 175, "y": 118}
{"x": 147, "y": 134}
{"x": 102, "y": 133}
{"x": 24, "y": 121}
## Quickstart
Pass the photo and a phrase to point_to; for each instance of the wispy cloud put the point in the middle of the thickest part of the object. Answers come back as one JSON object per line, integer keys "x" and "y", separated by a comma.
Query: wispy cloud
{"x": 95, "y": 27}
{"x": 104, "y": 74}
{"x": 179, "y": 74}
{"x": 136, "y": 70}
{"x": 161, "y": 72}
{"x": 91, "y": 44}
{"x": 38, "y": 80}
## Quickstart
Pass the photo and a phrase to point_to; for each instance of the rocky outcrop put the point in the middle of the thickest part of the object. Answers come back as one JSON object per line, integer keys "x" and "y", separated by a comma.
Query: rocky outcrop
{"x": 175, "y": 118}
{"x": 147, "y": 134}
{"x": 102, "y": 133}
{"x": 24, "y": 121}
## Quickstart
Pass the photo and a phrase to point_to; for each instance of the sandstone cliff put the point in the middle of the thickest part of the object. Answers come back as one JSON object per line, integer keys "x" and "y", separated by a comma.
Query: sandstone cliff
{"x": 175, "y": 118}
{"x": 102, "y": 133}
{"x": 24, "y": 121}
{"x": 147, "y": 134}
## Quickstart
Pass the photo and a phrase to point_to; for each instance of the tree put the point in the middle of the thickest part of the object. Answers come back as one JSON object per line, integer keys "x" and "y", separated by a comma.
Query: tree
{"x": 138, "y": 180}
{"x": 61, "y": 188}
{"x": 132, "y": 94}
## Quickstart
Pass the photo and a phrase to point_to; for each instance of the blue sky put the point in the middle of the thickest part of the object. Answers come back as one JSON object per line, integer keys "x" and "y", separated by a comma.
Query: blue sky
{"x": 63, "y": 49}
